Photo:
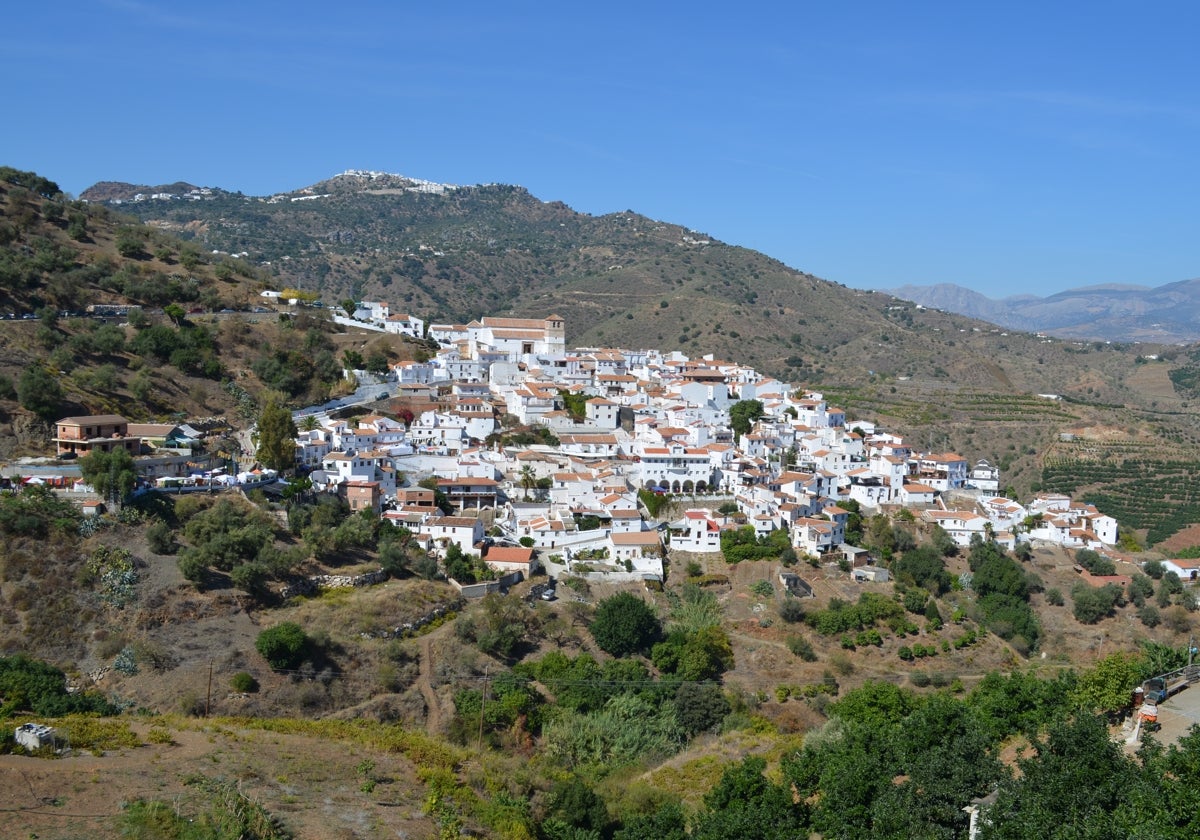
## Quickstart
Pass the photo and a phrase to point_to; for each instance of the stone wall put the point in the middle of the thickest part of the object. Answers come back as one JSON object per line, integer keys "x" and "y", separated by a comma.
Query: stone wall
{"x": 308, "y": 586}
{"x": 408, "y": 628}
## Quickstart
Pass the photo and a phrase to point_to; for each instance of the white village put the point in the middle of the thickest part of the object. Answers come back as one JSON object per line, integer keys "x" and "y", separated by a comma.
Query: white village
{"x": 739, "y": 453}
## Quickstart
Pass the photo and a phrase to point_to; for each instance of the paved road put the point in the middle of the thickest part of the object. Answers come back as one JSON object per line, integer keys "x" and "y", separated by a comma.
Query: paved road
{"x": 1178, "y": 714}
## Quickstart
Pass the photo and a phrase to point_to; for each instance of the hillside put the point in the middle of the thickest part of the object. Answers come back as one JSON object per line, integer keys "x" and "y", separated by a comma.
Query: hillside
{"x": 457, "y": 253}
{"x": 378, "y": 730}
{"x": 196, "y": 348}
{"x": 395, "y": 708}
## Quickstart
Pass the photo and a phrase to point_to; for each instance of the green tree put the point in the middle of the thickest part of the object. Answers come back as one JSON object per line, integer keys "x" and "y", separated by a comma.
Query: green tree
{"x": 501, "y": 625}
{"x": 700, "y": 706}
{"x": 276, "y": 437}
{"x": 39, "y": 392}
{"x": 1106, "y": 687}
{"x": 377, "y": 363}
{"x": 1074, "y": 786}
{"x": 625, "y": 624}
{"x": 112, "y": 474}
{"x": 665, "y": 823}
{"x": 743, "y": 414}
{"x": 747, "y": 805}
{"x": 527, "y": 479}
{"x": 161, "y": 538}
{"x": 1091, "y": 603}
{"x": 284, "y": 646}
{"x": 129, "y": 244}
{"x": 175, "y": 312}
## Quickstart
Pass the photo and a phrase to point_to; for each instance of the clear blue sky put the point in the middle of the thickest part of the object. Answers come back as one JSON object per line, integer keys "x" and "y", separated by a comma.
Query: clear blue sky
{"x": 1009, "y": 147}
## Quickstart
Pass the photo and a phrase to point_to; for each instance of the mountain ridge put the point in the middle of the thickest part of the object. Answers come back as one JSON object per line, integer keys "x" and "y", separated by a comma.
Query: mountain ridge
{"x": 1169, "y": 313}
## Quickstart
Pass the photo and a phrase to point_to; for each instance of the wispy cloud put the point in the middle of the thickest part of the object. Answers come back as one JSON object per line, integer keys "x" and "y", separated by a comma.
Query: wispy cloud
{"x": 587, "y": 149}
{"x": 154, "y": 15}
{"x": 765, "y": 166}
{"x": 1062, "y": 101}
{"x": 1103, "y": 105}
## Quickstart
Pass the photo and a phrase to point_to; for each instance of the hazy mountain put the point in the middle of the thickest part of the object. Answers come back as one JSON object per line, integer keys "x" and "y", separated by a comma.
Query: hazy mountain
{"x": 1109, "y": 312}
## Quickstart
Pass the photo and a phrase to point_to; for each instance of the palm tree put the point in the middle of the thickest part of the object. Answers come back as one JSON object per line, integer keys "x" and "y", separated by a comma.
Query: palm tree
{"x": 528, "y": 479}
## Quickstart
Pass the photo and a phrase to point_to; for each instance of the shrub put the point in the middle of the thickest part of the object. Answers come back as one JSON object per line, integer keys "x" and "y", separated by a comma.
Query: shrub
{"x": 284, "y": 646}
{"x": 791, "y": 610}
{"x": 1054, "y": 597}
{"x": 243, "y": 682}
{"x": 159, "y": 735}
{"x": 1092, "y": 604}
{"x": 801, "y": 647}
{"x": 1094, "y": 562}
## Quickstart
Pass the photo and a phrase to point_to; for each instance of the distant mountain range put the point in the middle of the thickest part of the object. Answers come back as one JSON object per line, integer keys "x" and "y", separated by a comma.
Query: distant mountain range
{"x": 1166, "y": 314}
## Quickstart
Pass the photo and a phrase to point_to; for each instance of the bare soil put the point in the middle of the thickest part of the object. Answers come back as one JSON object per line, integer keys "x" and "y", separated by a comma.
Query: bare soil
{"x": 314, "y": 786}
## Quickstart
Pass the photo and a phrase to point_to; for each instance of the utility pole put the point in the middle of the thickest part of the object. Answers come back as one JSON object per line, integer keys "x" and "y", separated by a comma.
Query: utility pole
{"x": 208, "y": 697}
{"x": 483, "y": 704}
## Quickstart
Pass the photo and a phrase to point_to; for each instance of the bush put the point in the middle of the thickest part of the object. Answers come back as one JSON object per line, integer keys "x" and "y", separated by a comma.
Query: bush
{"x": 791, "y": 610}
{"x": 762, "y": 588}
{"x": 801, "y": 647}
{"x": 1149, "y": 615}
{"x": 1092, "y": 604}
{"x": 284, "y": 646}
{"x": 1054, "y": 597}
{"x": 243, "y": 682}
{"x": 1094, "y": 562}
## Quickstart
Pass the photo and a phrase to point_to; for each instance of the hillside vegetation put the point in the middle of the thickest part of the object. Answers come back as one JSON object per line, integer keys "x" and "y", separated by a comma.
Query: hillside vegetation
{"x": 715, "y": 706}
{"x": 195, "y": 349}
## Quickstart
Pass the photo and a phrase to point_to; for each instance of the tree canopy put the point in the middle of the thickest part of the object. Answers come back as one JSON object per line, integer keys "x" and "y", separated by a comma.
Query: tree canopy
{"x": 625, "y": 624}
{"x": 112, "y": 474}
{"x": 276, "y": 437}
{"x": 39, "y": 391}
{"x": 743, "y": 414}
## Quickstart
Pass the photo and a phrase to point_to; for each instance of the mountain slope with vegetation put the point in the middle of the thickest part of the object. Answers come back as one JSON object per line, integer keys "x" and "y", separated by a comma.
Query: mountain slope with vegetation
{"x": 192, "y": 347}
{"x": 716, "y": 706}
{"x": 622, "y": 279}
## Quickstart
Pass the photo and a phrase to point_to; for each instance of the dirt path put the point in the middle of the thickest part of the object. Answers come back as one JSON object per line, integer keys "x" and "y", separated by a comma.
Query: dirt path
{"x": 433, "y": 716}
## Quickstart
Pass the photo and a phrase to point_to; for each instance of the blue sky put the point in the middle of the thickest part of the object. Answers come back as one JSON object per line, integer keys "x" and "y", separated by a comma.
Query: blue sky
{"x": 1008, "y": 147}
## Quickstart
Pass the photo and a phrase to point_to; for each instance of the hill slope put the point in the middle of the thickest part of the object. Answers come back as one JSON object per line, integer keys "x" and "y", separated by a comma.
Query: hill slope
{"x": 456, "y": 253}
{"x": 213, "y": 356}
